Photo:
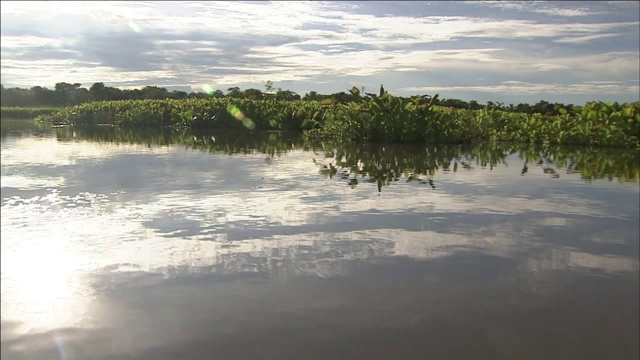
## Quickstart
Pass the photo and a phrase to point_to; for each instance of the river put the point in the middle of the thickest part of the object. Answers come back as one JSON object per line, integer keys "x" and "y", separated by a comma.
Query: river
{"x": 123, "y": 244}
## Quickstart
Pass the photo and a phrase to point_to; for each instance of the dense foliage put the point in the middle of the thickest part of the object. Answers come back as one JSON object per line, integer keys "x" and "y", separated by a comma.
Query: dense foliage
{"x": 374, "y": 117}
{"x": 419, "y": 119}
{"x": 353, "y": 116}
{"x": 68, "y": 94}
{"x": 195, "y": 113}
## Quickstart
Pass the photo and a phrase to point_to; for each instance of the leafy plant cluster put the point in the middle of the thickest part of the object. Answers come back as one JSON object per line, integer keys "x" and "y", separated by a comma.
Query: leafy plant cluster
{"x": 194, "y": 113}
{"x": 374, "y": 118}
{"x": 387, "y": 118}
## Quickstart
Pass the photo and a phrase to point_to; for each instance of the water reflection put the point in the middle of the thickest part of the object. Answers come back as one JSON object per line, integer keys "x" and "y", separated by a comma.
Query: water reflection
{"x": 385, "y": 163}
{"x": 158, "y": 244}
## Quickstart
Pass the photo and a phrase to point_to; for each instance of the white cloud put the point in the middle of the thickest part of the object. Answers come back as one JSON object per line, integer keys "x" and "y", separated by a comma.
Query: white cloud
{"x": 540, "y": 7}
{"x": 583, "y": 39}
{"x": 301, "y": 42}
{"x": 525, "y": 88}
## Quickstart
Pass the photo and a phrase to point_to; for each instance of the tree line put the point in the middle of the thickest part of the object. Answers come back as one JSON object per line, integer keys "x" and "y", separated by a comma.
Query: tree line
{"x": 68, "y": 94}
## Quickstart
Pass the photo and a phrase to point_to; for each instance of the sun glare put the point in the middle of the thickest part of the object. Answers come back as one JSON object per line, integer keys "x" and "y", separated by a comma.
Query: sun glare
{"x": 40, "y": 283}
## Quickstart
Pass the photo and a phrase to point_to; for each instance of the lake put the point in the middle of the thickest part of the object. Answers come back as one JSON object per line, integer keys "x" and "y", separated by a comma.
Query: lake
{"x": 159, "y": 244}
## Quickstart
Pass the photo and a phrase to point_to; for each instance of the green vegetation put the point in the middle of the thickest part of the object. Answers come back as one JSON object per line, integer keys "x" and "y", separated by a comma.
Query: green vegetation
{"x": 68, "y": 94}
{"x": 374, "y": 118}
{"x": 354, "y": 117}
{"x": 393, "y": 119}
{"x": 195, "y": 113}
{"x": 26, "y": 112}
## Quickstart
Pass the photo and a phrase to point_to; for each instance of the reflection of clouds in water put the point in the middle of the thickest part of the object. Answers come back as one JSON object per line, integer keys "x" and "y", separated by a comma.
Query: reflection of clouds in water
{"x": 144, "y": 232}
{"x": 208, "y": 212}
{"x": 566, "y": 259}
{"x": 50, "y": 151}
{"x": 603, "y": 262}
{"x": 610, "y": 236}
{"x": 22, "y": 182}
{"x": 557, "y": 221}
{"x": 437, "y": 201}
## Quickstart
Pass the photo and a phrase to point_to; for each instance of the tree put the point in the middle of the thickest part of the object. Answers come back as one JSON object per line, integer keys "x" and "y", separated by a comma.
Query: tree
{"x": 269, "y": 85}
{"x": 454, "y": 103}
{"x": 542, "y": 107}
{"x": 287, "y": 95}
{"x": 474, "y": 105}
{"x": 43, "y": 96}
{"x": 16, "y": 97}
{"x": 217, "y": 94}
{"x": 66, "y": 93}
{"x": 255, "y": 94}
{"x": 198, "y": 95}
{"x": 314, "y": 96}
{"x": 178, "y": 94}
{"x": 97, "y": 91}
{"x": 81, "y": 95}
{"x": 154, "y": 92}
{"x": 234, "y": 92}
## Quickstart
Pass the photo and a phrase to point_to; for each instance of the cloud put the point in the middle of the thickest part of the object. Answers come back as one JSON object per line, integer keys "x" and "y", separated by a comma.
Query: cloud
{"x": 583, "y": 39}
{"x": 542, "y": 7}
{"x": 305, "y": 43}
{"x": 525, "y": 88}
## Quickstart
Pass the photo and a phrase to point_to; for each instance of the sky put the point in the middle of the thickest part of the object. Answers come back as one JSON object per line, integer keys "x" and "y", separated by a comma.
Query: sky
{"x": 510, "y": 52}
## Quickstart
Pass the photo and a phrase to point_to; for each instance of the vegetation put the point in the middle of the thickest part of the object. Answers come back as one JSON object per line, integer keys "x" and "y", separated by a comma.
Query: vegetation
{"x": 387, "y": 118}
{"x": 195, "y": 113}
{"x": 26, "y": 112}
{"x": 68, "y": 94}
{"x": 356, "y": 116}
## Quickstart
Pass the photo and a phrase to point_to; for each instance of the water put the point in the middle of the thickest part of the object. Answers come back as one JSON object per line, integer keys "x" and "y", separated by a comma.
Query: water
{"x": 171, "y": 245}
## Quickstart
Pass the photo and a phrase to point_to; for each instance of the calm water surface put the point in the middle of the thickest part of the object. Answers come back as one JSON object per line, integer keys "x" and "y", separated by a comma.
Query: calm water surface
{"x": 158, "y": 245}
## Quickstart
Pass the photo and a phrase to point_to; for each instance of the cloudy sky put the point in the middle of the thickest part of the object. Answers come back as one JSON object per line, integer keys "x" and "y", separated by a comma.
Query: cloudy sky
{"x": 486, "y": 51}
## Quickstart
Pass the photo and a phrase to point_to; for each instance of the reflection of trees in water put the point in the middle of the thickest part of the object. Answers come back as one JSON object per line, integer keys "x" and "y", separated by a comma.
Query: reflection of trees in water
{"x": 590, "y": 163}
{"x": 228, "y": 142}
{"x": 382, "y": 163}
{"x": 23, "y": 128}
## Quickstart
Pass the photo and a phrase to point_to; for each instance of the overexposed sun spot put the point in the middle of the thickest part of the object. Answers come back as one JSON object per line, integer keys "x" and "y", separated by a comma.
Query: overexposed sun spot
{"x": 41, "y": 285}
